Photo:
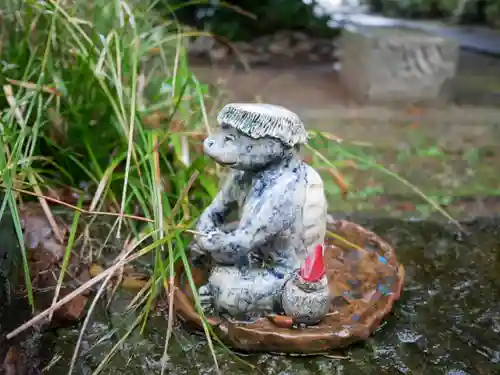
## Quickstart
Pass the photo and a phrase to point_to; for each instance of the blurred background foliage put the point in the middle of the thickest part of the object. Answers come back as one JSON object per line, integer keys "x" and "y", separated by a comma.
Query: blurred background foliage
{"x": 249, "y": 19}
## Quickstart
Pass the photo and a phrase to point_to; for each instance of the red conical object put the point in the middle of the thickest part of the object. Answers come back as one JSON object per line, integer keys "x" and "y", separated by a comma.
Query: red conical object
{"x": 313, "y": 268}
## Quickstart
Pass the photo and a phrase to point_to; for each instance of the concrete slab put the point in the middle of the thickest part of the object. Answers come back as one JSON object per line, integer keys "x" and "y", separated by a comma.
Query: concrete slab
{"x": 395, "y": 65}
{"x": 479, "y": 39}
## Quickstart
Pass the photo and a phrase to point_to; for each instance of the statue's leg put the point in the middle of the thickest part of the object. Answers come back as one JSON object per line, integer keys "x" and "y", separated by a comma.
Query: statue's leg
{"x": 199, "y": 258}
{"x": 255, "y": 258}
{"x": 229, "y": 227}
{"x": 244, "y": 293}
{"x": 205, "y": 294}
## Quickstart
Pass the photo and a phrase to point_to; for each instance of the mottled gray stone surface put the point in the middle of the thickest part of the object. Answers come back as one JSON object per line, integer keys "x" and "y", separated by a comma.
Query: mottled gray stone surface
{"x": 280, "y": 204}
{"x": 307, "y": 302}
{"x": 396, "y": 64}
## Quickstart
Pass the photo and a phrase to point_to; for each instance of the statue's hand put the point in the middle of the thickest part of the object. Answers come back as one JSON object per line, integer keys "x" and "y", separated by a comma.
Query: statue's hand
{"x": 205, "y": 224}
{"x": 221, "y": 247}
{"x": 205, "y": 294}
{"x": 197, "y": 255}
{"x": 212, "y": 241}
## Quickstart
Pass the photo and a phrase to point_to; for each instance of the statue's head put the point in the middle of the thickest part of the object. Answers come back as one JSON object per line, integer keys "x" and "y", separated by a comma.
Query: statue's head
{"x": 251, "y": 136}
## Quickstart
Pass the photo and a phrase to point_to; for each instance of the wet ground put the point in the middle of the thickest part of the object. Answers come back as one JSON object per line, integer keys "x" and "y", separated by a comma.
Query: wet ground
{"x": 447, "y": 322}
{"x": 465, "y": 183}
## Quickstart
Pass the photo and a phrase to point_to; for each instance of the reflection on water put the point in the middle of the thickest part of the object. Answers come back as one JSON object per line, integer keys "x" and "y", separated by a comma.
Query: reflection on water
{"x": 447, "y": 322}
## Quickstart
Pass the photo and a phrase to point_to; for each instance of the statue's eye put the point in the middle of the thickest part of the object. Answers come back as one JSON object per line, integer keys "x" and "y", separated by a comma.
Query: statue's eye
{"x": 229, "y": 138}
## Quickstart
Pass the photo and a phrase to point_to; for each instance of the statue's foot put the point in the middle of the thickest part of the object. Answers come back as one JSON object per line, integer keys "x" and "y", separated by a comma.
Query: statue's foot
{"x": 205, "y": 293}
{"x": 197, "y": 256}
{"x": 245, "y": 293}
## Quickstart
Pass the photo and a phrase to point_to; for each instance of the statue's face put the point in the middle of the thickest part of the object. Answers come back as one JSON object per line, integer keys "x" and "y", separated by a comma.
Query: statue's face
{"x": 232, "y": 148}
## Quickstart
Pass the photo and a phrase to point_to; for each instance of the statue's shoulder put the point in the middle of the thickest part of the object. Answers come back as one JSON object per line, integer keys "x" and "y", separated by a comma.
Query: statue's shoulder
{"x": 290, "y": 183}
{"x": 236, "y": 174}
{"x": 315, "y": 199}
{"x": 306, "y": 175}
{"x": 313, "y": 178}
{"x": 236, "y": 177}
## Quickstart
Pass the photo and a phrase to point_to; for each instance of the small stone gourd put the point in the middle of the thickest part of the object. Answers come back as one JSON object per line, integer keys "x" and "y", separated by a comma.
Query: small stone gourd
{"x": 306, "y": 296}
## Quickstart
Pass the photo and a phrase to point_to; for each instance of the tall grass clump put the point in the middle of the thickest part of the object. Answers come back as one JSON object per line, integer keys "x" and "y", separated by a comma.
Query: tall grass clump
{"x": 99, "y": 93}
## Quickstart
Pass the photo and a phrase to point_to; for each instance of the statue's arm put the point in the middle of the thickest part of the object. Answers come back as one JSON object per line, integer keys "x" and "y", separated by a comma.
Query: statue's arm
{"x": 275, "y": 215}
{"x": 214, "y": 214}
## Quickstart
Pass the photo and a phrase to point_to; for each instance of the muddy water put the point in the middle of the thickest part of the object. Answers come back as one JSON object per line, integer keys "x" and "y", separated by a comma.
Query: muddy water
{"x": 447, "y": 322}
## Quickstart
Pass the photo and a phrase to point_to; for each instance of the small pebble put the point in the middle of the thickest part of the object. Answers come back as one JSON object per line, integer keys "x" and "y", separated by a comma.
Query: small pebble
{"x": 408, "y": 336}
{"x": 457, "y": 372}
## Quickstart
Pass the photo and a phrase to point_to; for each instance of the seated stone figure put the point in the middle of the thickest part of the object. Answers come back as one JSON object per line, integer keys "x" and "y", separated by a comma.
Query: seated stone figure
{"x": 280, "y": 209}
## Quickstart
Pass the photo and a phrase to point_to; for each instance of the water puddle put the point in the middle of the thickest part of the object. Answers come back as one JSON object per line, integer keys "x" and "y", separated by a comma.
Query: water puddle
{"x": 447, "y": 322}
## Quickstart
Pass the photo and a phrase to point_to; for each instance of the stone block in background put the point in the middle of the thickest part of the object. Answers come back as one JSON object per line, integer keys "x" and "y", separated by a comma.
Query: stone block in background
{"x": 383, "y": 65}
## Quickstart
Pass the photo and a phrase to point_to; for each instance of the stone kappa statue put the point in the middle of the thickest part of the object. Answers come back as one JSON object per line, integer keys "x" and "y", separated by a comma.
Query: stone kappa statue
{"x": 265, "y": 229}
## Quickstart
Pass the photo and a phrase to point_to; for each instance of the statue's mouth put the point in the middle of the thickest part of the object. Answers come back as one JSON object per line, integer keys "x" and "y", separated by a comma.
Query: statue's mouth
{"x": 227, "y": 164}
{"x": 224, "y": 163}
{"x": 220, "y": 159}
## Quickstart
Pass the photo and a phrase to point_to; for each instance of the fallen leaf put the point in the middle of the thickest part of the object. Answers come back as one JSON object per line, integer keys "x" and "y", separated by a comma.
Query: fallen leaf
{"x": 38, "y": 234}
{"x": 415, "y": 111}
{"x": 406, "y": 206}
{"x": 339, "y": 180}
{"x": 74, "y": 309}
{"x": 33, "y": 86}
{"x": 308, "y": 159}
{"x": 134, "y": 283}
{"x": 154, "y": 120}
{"x": 281, "y": 321}
{"x": 131, "y": 280}
{"x": 11, "y": 361}
{"x": 95, "y": 270}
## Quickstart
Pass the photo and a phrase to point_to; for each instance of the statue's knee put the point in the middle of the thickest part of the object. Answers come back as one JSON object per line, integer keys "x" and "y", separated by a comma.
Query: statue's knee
{"x": 224, "y": 277}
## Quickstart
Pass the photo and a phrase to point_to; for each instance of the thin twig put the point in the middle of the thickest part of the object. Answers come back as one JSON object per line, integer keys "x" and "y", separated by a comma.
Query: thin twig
{"x": 82, "y": 210}
{"x": 105, "y": 274}
{"x": 171, "y": 278}
{"x": 46, "y": 210}
{"x": 9, "y": 95}
{"x": 122, "y": 257}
